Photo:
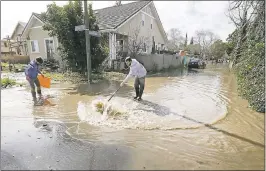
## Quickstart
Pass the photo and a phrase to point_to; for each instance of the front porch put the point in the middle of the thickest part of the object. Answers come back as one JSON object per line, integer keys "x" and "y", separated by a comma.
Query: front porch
{"x": 118, "y": 50}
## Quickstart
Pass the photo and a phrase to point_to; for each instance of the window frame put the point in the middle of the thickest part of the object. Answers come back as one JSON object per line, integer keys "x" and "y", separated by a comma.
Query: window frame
{"x": 143, "y": 19}
{"x": 36, "y": 46}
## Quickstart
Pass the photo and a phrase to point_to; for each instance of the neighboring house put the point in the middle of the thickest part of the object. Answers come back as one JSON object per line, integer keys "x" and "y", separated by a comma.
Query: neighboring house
{"x": 121, "y": 22}
{"x": 5, "y": 48}
{"x": 17, "y": 41}
{"x": 13, "y": 43}
{"x": 18, "y": 30}
{"x": 124, "y": 21}
{"x": 39, "y": 43}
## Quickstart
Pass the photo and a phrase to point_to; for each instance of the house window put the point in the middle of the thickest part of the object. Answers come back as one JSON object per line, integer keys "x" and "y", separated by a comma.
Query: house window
{"x": 5, "y": 44}
{"x": 119, "y": 44}
{"x": 26, "y": 49}
{"x": 143, "y": 19}
{"x": 34, "y": 46}
{"x": 122, "y": 45}
{"x": 151, "y": 23}
{"x": 49, "y": 47}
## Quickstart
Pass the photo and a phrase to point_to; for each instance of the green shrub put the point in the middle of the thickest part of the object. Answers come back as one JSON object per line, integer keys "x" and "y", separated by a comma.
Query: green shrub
{"x": 7, "y": 82}
{"x": 251, "y": 76}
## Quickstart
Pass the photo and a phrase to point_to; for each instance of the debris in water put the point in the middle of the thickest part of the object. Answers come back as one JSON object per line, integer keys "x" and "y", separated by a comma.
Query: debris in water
{"x": 99, "y": 107}
{"x": 106, "y": 109}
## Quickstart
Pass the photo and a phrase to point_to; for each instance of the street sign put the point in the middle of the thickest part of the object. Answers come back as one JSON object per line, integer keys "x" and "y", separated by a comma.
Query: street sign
{"x": 80, "y": 28}
{"x": 95, "y": 33}
{"x": 92, "y": 33}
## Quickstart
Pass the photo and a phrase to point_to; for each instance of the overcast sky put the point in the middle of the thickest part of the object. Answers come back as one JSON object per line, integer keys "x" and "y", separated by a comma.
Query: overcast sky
{"x": 188, "y": 16}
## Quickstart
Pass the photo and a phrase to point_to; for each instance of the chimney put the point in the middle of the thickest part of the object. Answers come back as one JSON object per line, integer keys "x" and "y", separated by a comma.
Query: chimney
{"x": 118, "y": 3}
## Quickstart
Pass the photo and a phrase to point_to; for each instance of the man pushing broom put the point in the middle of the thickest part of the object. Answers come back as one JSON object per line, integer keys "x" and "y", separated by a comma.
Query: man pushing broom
{"x": 138, "y": 71}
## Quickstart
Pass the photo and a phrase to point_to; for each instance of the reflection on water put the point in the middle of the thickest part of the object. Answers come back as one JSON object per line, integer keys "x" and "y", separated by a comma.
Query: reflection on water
{"x": 225, "y": 135}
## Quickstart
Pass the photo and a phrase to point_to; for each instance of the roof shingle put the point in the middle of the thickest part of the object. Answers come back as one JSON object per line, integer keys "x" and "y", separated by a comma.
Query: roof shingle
{"x": 22, "y": 23}
{"x": 112, "y": 17}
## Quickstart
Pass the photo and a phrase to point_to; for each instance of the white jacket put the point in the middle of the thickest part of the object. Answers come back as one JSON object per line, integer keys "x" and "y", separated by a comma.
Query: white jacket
{"x": 136, "y": 69}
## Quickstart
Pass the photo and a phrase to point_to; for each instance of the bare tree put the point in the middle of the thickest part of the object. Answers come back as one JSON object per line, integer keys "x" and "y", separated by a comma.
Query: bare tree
{"x": 205, "y": 38}
{"x": 241, "y": 14}
{"x": 138, "y": 44}
{"x": 175, "y": 38}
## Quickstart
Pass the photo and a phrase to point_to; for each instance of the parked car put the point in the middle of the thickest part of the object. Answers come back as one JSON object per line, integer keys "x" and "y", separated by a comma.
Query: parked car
{"x": 196, "y": 63}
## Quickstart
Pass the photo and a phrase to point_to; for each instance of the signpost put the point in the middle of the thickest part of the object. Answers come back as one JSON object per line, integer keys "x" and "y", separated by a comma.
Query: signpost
{"x": 92, "y": 33}
{"x": 80, "y": 28}
{"x": 87, "y": 35}
{"x": 95, "y": 33}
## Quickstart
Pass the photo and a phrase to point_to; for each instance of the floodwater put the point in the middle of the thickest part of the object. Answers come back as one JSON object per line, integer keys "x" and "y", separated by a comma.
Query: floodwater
{"x": 188, "y": 119}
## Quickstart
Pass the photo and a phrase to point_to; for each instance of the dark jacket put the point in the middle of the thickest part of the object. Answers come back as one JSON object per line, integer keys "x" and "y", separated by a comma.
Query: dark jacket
{"x": 32, "y": 70}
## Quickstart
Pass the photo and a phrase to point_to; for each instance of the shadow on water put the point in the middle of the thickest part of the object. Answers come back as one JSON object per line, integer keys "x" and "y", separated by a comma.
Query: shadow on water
{"x": 163, "y": 111}
{"x": 105, "y": 88}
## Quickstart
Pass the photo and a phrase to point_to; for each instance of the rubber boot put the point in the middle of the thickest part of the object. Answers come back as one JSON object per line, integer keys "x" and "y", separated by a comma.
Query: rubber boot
{"x": 137, "y": 92}
{"x": 34, "y": 97}
{"x": 140, "y": 94}
{"x": 40, "y": 98}
{"x": 39, "y": 94}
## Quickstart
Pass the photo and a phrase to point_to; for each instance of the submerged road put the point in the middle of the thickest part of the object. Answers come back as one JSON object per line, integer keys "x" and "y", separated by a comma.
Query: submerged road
{"x": 189, "y": 119}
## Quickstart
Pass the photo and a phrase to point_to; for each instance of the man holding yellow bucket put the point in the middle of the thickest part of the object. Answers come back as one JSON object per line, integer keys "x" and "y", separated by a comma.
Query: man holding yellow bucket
{"x": 31, "y": 72}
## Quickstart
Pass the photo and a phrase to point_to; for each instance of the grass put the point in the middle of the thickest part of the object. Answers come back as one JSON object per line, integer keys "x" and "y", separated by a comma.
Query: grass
{"x": 5, "y": 66}
{"x": 79, "y": 78}
{"x": 113, "y": 76}
{"x": 7, "y": 82}
{"x": 54, "y": 76}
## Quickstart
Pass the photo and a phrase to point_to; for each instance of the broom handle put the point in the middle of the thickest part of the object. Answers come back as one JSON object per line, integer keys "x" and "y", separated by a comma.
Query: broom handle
{"x": 113, "y": 94}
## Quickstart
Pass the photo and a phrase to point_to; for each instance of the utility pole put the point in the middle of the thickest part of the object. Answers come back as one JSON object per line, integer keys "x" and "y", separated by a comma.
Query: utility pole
{"x": 87, "y": 35}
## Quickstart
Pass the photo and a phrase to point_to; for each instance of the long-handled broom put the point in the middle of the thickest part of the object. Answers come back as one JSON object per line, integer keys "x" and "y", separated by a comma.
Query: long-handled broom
{"x": 113, "y": 94}
{"x": 105, "y": 106}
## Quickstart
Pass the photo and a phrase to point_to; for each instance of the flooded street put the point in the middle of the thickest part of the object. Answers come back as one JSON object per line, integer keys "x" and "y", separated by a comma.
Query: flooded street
{"x": 188, "y": 119}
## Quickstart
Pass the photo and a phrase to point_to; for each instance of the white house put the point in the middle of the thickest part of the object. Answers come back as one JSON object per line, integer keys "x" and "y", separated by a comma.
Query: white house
{"x": 120, "y": 22}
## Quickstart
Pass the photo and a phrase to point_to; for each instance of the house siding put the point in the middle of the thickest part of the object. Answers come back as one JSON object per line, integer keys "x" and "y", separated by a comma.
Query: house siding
{"x": 18, "y": 31}
{"x": 39, "y": 34}
{"x": 145, "y": 31}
